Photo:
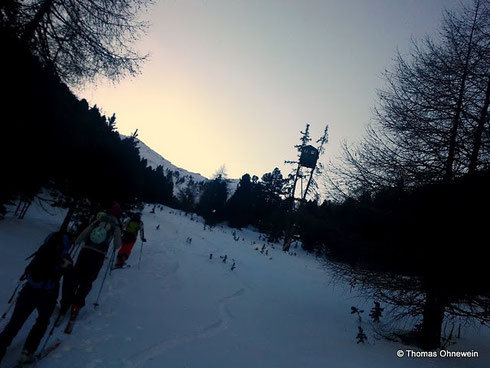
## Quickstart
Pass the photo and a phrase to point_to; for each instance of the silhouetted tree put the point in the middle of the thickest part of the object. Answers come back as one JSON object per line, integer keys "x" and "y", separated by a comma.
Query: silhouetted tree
{"x": 240, "y": 208}
{"x": 80, "y": 39}
{"x": 213, "y": 198}
{"x": 432, "y": 118}
{"x": 187, "y": 198}
{"x": 416, "y": 250}
{"x": 273, "y": 186}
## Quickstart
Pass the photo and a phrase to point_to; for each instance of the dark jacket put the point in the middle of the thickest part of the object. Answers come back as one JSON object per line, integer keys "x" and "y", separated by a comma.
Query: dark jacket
{"x": 49, "y": 263}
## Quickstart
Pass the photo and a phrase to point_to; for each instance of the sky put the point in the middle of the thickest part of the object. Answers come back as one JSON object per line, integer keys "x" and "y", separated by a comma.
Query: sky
{"x": 233, "y": 82}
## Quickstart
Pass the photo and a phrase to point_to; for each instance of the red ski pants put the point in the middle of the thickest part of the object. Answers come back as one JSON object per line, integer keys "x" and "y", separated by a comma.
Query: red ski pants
{"x": 125, "y": 251}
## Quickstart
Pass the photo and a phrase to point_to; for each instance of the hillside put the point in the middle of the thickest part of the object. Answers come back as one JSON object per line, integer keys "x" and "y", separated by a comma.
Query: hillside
{"x": 154, "y": 159}
{"x": 181, "y": 177}
{"x": 181, "y": 308}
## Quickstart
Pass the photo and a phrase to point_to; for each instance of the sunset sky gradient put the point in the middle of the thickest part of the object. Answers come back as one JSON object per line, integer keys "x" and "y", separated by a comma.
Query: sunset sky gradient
{"x": 233, "y": 82}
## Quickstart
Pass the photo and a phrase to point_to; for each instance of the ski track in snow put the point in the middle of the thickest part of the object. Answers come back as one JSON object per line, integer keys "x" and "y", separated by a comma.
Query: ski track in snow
{"x": 215, "y": 328}
{"x": 221, "y": 325}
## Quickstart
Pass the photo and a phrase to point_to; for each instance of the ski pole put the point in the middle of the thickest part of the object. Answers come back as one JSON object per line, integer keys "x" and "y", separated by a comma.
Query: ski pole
{"x": 109, "y": 266}
{"x": 48, "y": 337}
{"x": 7, "y": 311}
{"x": 11, "y": 299}
{"x": 111, "y": 261}
{"x": 75, "y": 250}
{"x": 15, "y": 290}
{"x": 141, "y": 252}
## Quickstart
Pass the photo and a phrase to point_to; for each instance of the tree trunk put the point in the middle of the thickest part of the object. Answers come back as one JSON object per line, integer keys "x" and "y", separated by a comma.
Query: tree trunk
{"x": 288, "y": 236}
{"x": 433, "y": 317}
{"x": 26, "y": 206}
{"x": 294, "y": 183}
{"x": 309, "y": 183}
{"x": 479, "y": 130}
{"x": 17, "y": 209}
{"x": 448, "y": 175}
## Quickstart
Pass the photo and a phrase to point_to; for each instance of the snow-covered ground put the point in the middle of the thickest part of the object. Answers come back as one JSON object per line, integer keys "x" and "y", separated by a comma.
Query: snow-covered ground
{"x": 182, "y": 309}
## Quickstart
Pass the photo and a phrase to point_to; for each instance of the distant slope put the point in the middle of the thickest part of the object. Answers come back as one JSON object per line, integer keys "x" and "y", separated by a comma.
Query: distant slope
{"x": 181, "y": 177}
{"x": 154, "y": 159}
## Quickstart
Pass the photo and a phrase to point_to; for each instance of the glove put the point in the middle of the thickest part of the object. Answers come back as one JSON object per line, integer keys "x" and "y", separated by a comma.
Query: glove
{"x": 143, "y": 240}
{"x": 66, "y": 263}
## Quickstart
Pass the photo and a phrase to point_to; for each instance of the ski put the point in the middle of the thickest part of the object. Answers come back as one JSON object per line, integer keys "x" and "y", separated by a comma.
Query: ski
{"x": 120, "y": 268}
{"x": 22, "y": 365}
{"x": 70, "y": 324}
{"x": 40, "y": 356}
{"x": 59, "y": 320}
{"x": 48, "y": 350}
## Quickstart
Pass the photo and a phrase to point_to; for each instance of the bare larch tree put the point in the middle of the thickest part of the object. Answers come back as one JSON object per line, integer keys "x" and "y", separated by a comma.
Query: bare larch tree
{"x": 81, "y": 39}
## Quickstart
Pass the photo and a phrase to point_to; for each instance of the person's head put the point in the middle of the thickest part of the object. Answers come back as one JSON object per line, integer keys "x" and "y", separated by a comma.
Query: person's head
{"x": 136, "y": 216}
{"x": 115, "y": 210}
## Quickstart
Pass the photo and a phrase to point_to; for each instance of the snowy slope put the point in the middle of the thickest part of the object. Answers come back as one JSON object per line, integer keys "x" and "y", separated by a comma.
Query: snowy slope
{"x": 154, "y": 159}
{"x": 183, "y": 309}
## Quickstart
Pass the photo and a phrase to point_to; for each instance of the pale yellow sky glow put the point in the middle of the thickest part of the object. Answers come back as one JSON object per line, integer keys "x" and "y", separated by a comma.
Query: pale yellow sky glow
{"x": 233, "y": 82}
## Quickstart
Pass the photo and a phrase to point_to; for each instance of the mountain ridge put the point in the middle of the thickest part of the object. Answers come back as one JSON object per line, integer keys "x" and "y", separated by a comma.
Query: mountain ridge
{"x": 183, "y": 177}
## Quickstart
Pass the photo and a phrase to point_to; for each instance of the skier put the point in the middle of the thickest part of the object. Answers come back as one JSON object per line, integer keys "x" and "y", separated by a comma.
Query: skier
{"x": 131, "y": 229}
{"x": 40, "y": 292}
{"x": 96, "y": 239}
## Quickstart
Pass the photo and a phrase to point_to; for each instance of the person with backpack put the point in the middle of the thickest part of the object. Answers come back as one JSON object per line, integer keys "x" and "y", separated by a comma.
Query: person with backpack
{"x": 131, "y": 228}
{"x": 96, "y": 239}
{"x": 40, "y": 292}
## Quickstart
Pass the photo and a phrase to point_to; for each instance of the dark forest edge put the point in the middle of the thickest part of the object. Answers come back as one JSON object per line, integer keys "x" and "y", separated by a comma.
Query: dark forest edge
{"x": 54, "y": 141}
{"x": 416, "y": 247}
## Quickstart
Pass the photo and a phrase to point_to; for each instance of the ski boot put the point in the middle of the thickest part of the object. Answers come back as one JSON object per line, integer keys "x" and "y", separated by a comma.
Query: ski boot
{"x": 73, "y": 317}
{"x": 26, "y": 357}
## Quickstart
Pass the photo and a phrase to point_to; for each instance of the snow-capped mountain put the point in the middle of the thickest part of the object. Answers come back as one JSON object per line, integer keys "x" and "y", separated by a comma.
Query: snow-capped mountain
{"x": 154, "y": 159}
{"x": 181, "y": 177}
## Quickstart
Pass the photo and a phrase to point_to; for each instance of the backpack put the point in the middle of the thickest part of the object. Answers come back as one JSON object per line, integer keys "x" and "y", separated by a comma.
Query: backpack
{"x": 46, "y": 263}
{"x": 133, "y": 227}
{"x": 102, "y": 231}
